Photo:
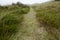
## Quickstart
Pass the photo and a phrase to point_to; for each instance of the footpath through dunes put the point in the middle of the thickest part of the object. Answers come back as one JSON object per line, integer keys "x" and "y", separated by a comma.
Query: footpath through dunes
{"x": 30, "y": 29}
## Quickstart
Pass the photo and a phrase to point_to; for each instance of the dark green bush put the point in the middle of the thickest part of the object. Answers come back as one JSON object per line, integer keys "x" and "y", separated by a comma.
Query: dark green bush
{"x": 21, "y": 11}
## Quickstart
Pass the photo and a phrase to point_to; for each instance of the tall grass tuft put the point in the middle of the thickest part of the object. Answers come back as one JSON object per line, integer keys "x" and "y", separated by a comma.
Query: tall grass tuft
{"x": 12, "y": 17}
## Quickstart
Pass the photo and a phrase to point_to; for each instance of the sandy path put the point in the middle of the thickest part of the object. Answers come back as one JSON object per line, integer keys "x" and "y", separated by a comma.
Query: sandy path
{"x": 30, "y": 29}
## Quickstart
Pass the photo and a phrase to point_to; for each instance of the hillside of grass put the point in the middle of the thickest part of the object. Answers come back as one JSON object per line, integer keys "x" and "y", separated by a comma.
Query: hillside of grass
{"x": 11, "y": 17}
{"x": 48, "y": 15}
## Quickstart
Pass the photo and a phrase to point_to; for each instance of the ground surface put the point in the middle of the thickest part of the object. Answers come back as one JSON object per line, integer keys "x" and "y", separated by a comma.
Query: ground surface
{"x": 30, "y": 29}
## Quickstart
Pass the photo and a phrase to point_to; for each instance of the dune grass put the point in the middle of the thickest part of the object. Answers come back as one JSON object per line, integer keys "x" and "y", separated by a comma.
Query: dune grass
{"x": 11, "y": 18}
{"x": 49, "y": 16}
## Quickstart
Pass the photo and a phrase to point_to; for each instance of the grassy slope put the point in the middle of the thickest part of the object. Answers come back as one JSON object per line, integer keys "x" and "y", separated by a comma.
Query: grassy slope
{"x": 48, "y": 14}
{"x": 10, "y": 17}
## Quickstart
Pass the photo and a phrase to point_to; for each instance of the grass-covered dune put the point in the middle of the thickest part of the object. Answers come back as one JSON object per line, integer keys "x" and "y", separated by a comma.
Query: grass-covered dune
{"x": 48, "y": 14}
{"x": 11, "y": 17}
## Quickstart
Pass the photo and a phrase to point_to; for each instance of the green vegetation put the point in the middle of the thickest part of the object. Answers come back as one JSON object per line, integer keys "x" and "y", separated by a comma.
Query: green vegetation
{"x": 57, "y": 0}
{"x": 11, "y": 17}
{"x": 48, "y": 15}
{"x": 8, "y": 25}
